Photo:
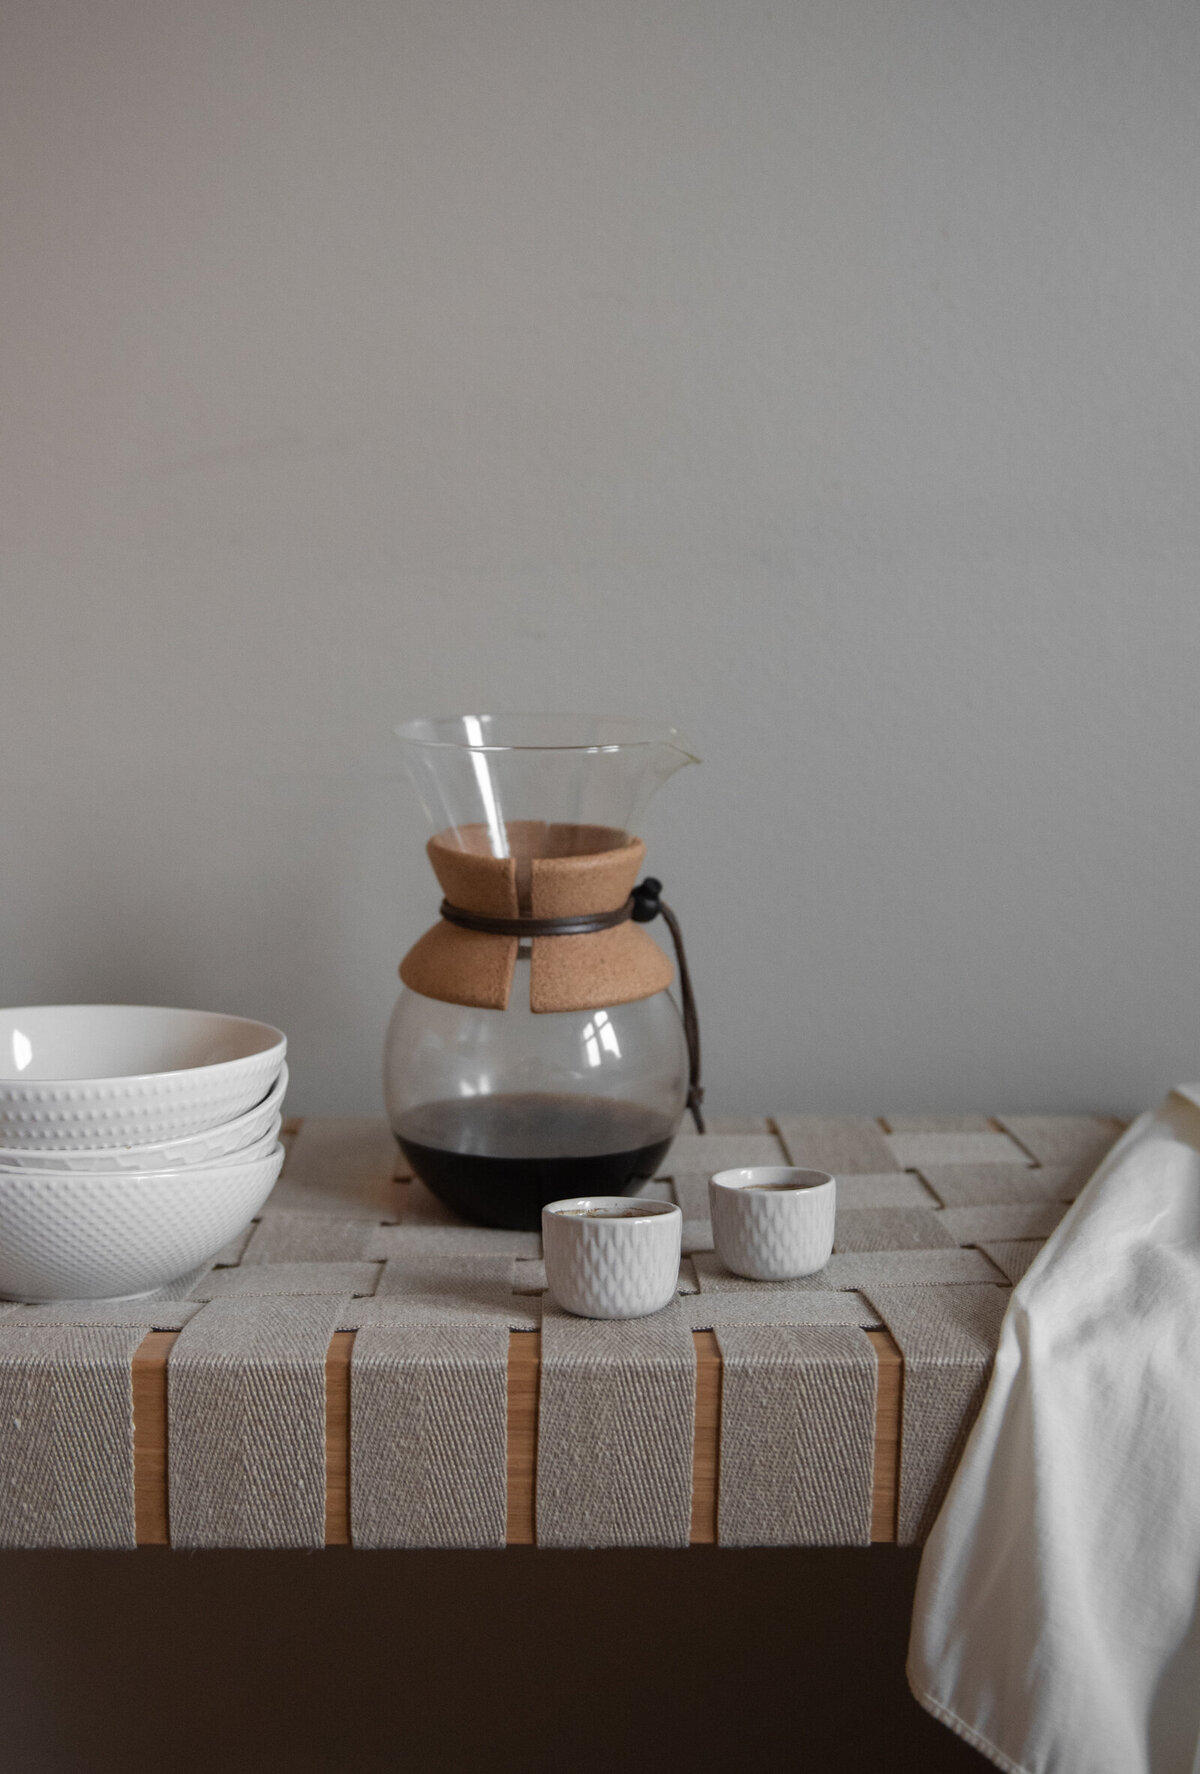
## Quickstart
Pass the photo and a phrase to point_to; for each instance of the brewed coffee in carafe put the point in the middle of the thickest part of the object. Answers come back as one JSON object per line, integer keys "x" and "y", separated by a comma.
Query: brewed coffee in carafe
{"x": 536, "y": 1052}
{"x": 512, "y": 1154}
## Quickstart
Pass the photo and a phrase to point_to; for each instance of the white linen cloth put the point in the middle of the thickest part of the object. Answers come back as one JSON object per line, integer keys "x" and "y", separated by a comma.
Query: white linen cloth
{"x": 1057, "y": 1617}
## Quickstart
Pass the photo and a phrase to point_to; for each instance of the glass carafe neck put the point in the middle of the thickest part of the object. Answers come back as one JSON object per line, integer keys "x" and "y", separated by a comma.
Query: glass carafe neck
{"x": 539, "y": 785}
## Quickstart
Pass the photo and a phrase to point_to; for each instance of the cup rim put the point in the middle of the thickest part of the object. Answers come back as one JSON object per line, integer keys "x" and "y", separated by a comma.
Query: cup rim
{"x": 654, "y": 1210}
{"x": 735, "y": 1181}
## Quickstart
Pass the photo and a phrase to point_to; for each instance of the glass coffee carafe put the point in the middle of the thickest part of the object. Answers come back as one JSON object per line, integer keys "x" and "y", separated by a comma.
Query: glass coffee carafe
{"x": 536, "y": 1051}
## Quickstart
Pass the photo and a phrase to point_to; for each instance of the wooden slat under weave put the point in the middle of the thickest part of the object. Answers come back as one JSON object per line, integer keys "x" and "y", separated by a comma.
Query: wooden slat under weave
{"x": 365, "y": 1212}
{"x": 524, "y": 1359}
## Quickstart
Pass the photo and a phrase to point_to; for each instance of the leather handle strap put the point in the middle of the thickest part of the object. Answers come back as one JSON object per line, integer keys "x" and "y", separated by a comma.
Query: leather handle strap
{"x": 649, "y": 905}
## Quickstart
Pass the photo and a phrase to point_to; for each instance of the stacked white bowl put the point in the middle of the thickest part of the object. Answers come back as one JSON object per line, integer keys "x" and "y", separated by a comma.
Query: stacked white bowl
{"x": 134, "y": 1142}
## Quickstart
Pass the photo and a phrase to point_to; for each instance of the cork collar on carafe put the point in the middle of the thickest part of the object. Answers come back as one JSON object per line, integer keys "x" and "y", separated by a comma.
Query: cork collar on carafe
{"x": 552, "y": 871}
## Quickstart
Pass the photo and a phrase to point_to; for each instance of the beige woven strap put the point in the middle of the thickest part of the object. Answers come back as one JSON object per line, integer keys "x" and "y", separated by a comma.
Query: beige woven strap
{"x": 1012, "y": 1256}
{"x": 529, "y": 1275}
{"x": 960, "y": 1123}
{"x": 616, "y": 1426}
{"x": 1017, "y": 1219}
{"x": 690, "y": 1189}
{"x": 714, "y": 1311}
{"x": 429, "y": 1435}
{"x": 984, "y": 1185}
{"x": 891, "y": 1228}
{"x": 1077, "y": 1140}
{"x": 145, "y": 1315}
{"x": 860, "y": 1269}
{"x": 429, "y": 1395}
{"x": 246, "y": 1423}
{"x": 899, "y": 1188}
{"x": 440, "y": 1289}
{"x": 233, "y": 1249}
{"x": 262, "y": 1280}
{"x": 913, "y": 1151}
{"x": 426, "y": 1244}
{"x": 183, "y": 1285}
{"x": 948, "y": 1337}
{"x": 343, "y": 1166}
{"x": 841, "y": 1144}
{"x": 419, "y": 1206}
{"x": 66, "y": 1434}
{"x": 797, "y": 1436}
{"x": 307, "y": 1238}
{"x": 701, "y": 1154}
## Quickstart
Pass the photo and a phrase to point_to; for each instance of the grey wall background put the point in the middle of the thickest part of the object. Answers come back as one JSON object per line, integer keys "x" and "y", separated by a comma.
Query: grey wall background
{"x": 820, "y": 376}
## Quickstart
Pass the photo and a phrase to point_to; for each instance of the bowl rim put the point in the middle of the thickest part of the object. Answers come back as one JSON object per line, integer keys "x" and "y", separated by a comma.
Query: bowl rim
{"x": 181, "y": 1173}
{"x": 9, "y": 1079}
{"x": 273, "y": 1099}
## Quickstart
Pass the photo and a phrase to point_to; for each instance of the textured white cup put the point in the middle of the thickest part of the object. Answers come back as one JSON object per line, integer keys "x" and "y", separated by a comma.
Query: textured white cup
{"x": 773, "y": 1234}
{"x": 612, "y": 1268}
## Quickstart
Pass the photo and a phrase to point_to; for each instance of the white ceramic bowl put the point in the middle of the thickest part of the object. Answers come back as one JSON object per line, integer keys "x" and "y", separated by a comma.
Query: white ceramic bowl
{"x": 80, "y": 1076}
{"x": 773, "y": 1222}
{"x": 232, "y": 1138}
{"x": 599, "y": 1265}
{"x": 111, "y": 1236}
{"x": 260, "y": 1148}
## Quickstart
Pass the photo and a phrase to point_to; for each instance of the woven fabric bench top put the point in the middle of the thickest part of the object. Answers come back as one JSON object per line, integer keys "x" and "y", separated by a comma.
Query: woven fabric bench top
{"x": 360, "y": 1368}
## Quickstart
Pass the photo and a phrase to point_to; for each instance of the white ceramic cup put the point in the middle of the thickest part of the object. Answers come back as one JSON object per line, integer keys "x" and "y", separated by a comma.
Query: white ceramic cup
{"x": 612, "y": 1256}
{"x": 771, "y": 1222}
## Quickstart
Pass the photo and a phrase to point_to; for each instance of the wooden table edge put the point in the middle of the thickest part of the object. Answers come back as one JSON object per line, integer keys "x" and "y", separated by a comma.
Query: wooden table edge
{"x": 150, "y": 1451}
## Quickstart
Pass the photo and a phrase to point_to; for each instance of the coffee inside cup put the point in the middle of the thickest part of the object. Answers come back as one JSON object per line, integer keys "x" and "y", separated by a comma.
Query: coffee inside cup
{"x": 782, "y": 1188}
{"x": 610, "y": 1213}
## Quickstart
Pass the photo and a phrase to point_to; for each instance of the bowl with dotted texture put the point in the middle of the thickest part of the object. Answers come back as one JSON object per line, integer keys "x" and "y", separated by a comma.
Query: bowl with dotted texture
{"x": 86, "y": 1076}
{"x": 114, "y": 1235}
{"x": 212, "y": 1146}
